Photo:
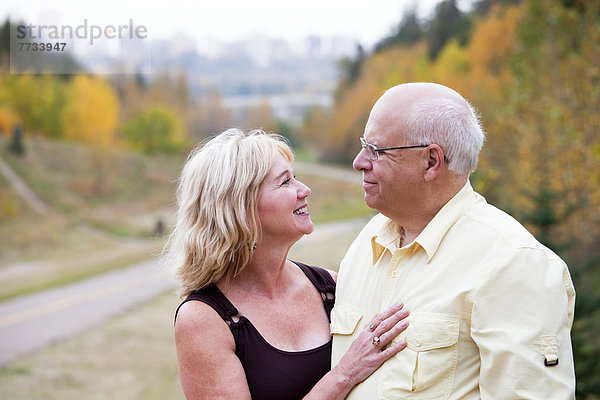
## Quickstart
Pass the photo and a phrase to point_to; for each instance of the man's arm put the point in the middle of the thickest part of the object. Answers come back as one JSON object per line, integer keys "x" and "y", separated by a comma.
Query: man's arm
{"x": 521, "y": 322}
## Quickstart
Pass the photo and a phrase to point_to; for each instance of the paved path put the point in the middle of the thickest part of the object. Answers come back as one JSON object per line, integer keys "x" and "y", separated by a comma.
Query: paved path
{"x": 33, "y": 321}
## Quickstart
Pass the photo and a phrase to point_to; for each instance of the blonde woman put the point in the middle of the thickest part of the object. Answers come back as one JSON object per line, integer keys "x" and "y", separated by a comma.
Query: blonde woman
{"x": 253, "y": 324}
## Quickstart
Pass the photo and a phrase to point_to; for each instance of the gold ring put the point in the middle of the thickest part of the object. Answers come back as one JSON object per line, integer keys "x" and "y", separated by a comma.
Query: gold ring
{"x": 376, "y": 341}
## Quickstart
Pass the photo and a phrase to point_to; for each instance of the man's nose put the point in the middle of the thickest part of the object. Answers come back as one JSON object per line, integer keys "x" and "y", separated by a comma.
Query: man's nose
{"x": 361, "y": 161}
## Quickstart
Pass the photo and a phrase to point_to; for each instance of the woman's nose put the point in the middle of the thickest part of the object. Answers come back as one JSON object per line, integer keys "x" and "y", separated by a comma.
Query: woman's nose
{"x": 303, "y": 191}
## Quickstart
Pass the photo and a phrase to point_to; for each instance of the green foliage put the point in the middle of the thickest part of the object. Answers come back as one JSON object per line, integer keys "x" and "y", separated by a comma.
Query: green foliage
{"x": 38, "y": 101}
{"x": 408, "y": 32}
{"x": 156, "y": 130}
{"x": 351, "y": 68}
{"x": 447, "y": 22}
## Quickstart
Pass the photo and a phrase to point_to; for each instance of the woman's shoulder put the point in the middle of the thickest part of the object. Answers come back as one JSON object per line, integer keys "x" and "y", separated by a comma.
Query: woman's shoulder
{"x": 193, "y": 314}
{"x": 196, "y": 321}
{"x": 208, "y": 365}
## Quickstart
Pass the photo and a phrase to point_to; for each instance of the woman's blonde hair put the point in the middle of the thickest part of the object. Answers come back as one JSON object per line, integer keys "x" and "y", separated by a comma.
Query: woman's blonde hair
{"x": 217, "y": 222}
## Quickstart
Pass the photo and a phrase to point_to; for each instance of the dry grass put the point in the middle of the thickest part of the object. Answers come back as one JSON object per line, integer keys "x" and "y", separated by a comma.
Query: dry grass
{"x": 103, "y": 211}
{"x": 118, "y": 193}
{"x": 132, "y": 357}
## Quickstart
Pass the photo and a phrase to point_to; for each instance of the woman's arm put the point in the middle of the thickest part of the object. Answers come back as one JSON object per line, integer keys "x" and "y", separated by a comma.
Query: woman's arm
{"x": 208, "y": 366}
{"x": 363, "y": 357}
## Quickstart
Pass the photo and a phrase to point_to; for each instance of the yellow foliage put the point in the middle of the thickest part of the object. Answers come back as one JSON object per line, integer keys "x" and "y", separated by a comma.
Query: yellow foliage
{"x": 92, "y": 111}
{"x": 8, "y": 120}
{"x": 533, "y": 73}
{"x": 493, "y": 41}
{"x": 380, "y": 72}
{"x": 452, "y": 67}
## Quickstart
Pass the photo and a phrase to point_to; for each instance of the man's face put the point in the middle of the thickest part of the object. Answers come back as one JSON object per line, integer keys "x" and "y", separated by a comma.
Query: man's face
{"x": 392, "y": 182}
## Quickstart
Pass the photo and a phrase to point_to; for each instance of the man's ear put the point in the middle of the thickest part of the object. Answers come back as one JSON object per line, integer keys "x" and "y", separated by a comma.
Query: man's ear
{"x": 435, "y": 162}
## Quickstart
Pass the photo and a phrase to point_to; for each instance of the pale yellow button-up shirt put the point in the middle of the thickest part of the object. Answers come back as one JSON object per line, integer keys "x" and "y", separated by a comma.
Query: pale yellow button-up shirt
{"x": 490, "y": 307}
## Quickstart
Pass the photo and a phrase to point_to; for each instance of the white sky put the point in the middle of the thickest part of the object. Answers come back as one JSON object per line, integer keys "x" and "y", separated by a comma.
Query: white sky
{"x": 367, "y": 21}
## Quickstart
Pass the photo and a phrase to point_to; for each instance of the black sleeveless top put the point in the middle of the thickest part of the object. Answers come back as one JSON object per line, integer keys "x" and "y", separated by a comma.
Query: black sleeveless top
{"x": 272, "y": 373}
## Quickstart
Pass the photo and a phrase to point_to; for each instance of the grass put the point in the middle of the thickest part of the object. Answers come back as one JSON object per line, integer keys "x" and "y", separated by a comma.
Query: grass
{"x": 99, "y": 202}
{"x": 98, "y": 224}
{"x": 120, "y": 193}
{"x": 332, "y": 200}
{"x": 132, "y": 356}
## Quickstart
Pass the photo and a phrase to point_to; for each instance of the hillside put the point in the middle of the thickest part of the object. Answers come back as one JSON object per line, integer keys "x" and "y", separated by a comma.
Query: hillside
{"x": 104, "y": 210}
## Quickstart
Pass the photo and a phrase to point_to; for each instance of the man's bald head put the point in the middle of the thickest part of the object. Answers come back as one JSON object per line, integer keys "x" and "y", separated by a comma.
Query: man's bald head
{"x": 425, "y": 113}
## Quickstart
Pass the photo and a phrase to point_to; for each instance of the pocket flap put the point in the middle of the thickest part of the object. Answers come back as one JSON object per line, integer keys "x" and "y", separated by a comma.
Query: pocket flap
{"x": 344, "y": 319}
{"x": 428, "y": 331}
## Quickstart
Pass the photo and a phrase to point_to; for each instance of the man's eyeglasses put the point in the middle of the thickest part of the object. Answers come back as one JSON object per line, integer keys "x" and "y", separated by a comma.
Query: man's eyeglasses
{"x": 373, "y": 151}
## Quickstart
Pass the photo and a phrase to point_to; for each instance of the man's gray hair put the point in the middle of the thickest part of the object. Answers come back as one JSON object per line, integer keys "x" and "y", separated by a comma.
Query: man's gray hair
{"x": 453, "y": 126}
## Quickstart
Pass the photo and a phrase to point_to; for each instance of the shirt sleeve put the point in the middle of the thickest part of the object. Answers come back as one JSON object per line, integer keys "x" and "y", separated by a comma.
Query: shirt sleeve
{"x": 521, "y": 322}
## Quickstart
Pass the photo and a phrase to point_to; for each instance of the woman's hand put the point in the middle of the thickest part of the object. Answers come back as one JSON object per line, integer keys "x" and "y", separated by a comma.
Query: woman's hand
{"x": 373, "y": 345}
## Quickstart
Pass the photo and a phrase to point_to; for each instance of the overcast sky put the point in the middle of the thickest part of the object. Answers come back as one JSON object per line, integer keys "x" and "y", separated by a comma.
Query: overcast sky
{"x": 367, "y": 21}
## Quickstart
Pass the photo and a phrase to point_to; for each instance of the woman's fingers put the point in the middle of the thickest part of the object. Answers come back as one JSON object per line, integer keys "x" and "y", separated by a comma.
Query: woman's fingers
{"x": 386, "y": 338}
{"x": 391, "y": 327}
{"x": 379, "y": 318}
{"x": 393, "y": 348}
{"x": 375, "y": 344}
{"x": 390, "y": 321}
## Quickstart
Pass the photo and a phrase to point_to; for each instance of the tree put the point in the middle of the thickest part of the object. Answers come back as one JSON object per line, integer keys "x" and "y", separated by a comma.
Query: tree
{"x": 91, "y": 111}
{"x": 156, "y": 130}
{"x": 447, "y": 22}
{"x": 261, "y": 117}
{"x": 408, "y": 32}
{"x": 90, "y": 115}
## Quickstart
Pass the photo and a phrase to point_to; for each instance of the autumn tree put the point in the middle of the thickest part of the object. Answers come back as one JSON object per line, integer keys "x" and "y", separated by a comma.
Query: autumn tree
{"x": 156, "y": 130}
{"x": 209, "y": 116}
{"x": 261, "y": 117}
{"x": 91, "y": 111}
{"x": 91, "y": 115}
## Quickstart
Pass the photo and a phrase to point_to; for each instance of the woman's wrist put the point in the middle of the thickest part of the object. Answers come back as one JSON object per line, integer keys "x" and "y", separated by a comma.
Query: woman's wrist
{"x": 342, "y": 379}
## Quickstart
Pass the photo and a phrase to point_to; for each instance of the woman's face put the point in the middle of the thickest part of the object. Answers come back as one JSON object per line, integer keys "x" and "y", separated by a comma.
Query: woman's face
{"x": 282, "y": 205}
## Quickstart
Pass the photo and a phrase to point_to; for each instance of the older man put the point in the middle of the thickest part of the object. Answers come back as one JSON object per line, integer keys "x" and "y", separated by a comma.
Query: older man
{"x": 491, "y": 308}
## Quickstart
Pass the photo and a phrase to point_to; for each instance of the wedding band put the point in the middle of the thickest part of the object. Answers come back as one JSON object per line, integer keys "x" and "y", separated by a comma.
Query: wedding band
{"x": 376, "y": 341}
{"x": 372, "y": 326}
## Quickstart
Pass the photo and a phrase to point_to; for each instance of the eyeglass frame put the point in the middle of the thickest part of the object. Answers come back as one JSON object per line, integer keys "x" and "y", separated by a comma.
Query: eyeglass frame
{"x": 375, "y": 150}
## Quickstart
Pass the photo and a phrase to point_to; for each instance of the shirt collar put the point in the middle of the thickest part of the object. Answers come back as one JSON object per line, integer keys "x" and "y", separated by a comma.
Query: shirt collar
{"x": 388, "y": 237}
{"x": 430, "y": 238}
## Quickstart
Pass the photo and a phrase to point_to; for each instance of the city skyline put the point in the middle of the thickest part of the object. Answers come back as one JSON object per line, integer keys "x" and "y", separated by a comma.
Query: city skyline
{"x": 229, "y": 21}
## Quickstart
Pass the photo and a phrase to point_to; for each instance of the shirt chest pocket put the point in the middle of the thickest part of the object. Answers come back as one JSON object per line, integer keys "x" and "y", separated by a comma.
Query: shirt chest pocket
{"x": 425, "y": 369}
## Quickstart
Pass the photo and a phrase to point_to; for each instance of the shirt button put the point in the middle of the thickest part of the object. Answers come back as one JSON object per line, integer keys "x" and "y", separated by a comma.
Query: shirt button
{"x": 418, "y": 342}
{"x": 394, "y": 274}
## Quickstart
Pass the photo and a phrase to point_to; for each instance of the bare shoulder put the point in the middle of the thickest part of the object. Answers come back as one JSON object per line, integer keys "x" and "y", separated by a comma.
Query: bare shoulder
{"x": 208, "y": 366}
{"x": 197, "y": 319}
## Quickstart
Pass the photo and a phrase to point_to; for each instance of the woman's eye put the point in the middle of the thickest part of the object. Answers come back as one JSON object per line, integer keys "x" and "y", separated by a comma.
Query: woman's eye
{"x": 286, "y": 181}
